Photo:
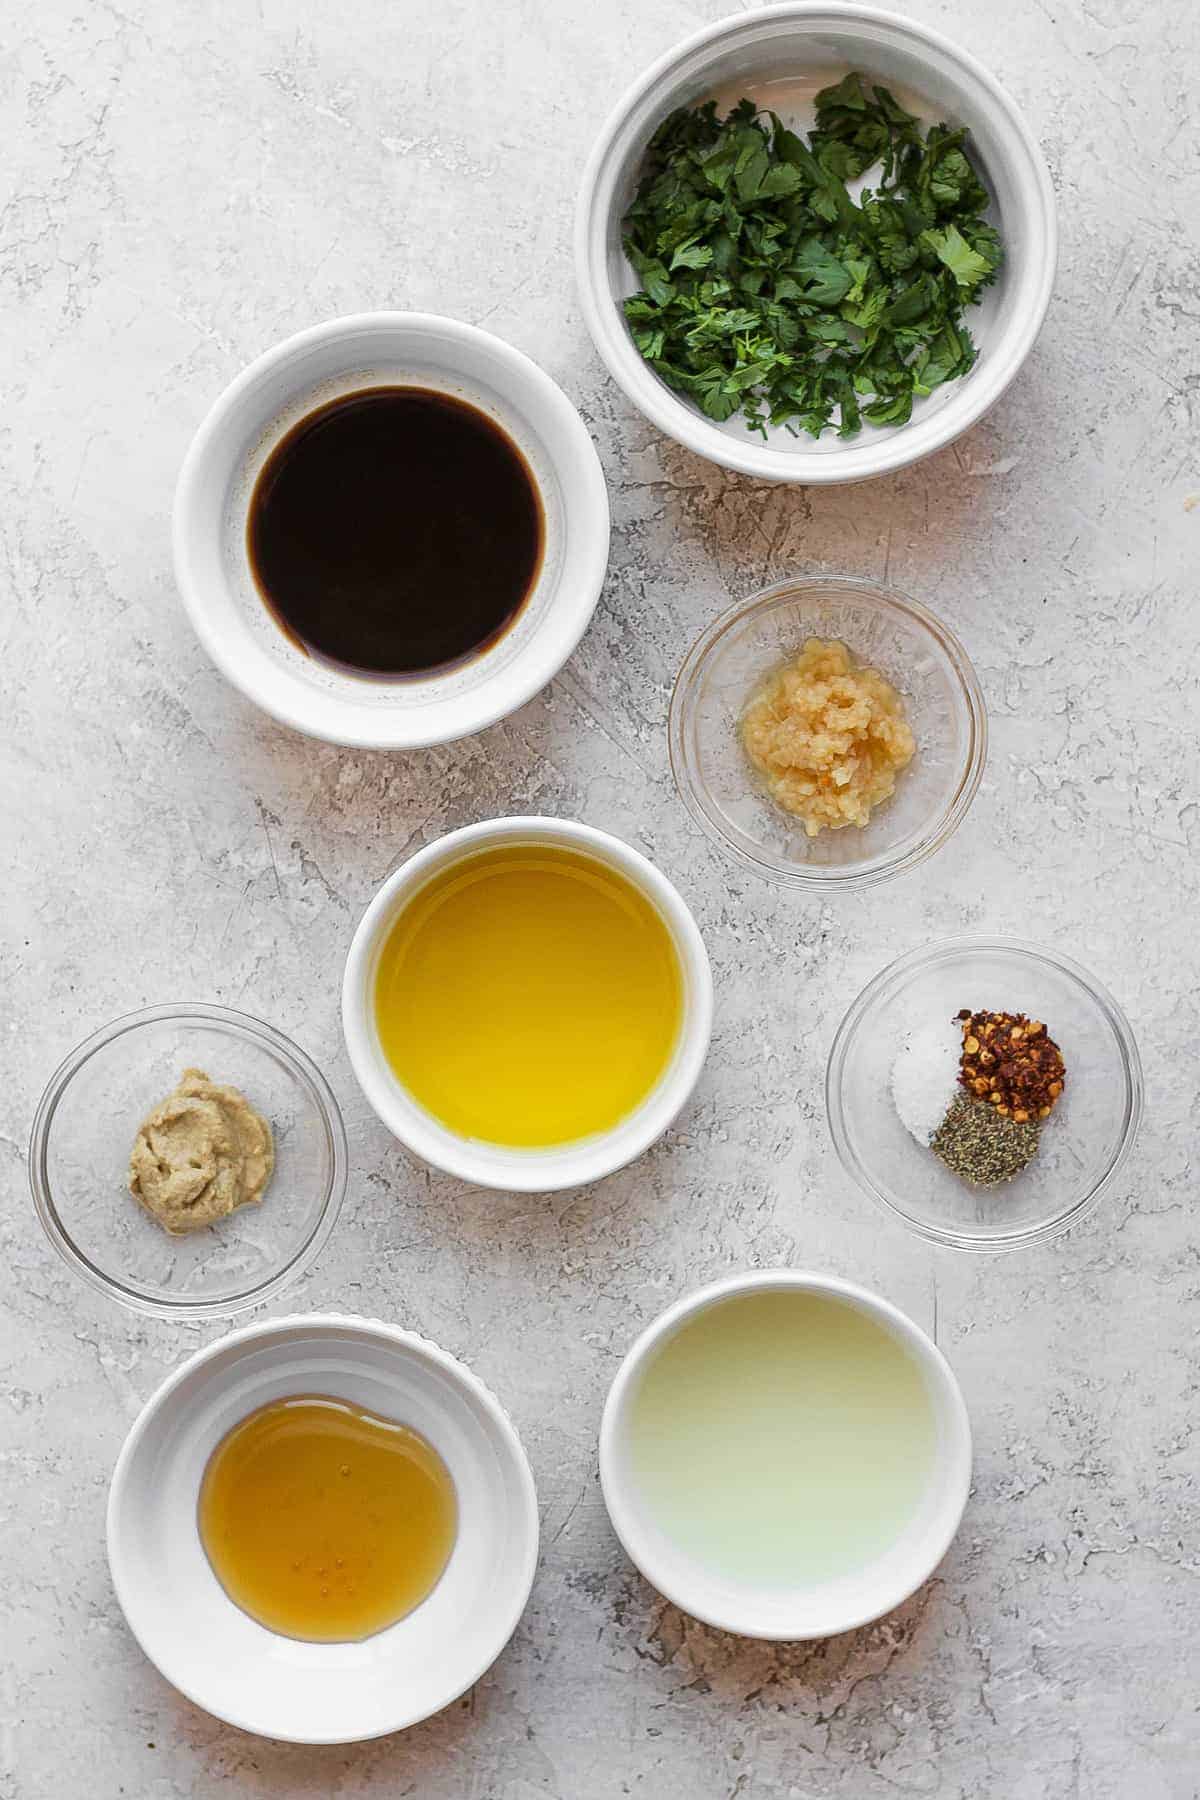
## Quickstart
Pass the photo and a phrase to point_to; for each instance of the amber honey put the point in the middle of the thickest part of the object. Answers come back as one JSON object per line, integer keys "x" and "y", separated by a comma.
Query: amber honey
{"x": 324, "y": 1521}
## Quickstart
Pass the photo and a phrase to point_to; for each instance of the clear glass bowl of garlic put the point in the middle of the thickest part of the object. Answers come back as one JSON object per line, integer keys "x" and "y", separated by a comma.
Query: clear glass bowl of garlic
{"x": 883, "y": 630}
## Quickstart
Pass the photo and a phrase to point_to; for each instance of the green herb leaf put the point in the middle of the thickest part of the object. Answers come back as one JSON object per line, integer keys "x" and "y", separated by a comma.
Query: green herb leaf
{"x": 823, "y": 279}
{"x": 767, "y": 289}
{"x": 694, "y": 256}
{"x": 968, "y": 268}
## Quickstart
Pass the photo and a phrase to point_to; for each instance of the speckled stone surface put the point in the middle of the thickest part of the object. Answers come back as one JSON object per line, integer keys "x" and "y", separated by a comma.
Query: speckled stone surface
{"x": 185, "y": 184}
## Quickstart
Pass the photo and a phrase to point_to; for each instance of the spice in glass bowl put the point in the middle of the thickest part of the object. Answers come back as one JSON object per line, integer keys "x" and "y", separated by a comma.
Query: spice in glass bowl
{"x": 1009, "y": 1061}
{"x": 924, "y": 1078}
{"x": 978, "y": 1101}
{"x": 980, "y": 1146}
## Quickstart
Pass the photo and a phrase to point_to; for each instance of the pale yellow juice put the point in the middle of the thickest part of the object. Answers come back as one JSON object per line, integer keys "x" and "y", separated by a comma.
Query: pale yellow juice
{"x": 782, "y": 1439}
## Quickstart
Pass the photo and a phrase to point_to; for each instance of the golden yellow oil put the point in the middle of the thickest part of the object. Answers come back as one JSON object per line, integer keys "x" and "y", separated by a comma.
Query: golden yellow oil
{"x": 529, "y": 995}
{"x": 324, "y": 1521}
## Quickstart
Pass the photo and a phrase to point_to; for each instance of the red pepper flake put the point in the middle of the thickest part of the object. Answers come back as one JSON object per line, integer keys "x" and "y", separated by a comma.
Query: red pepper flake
{"x": 1011, "y": 1062}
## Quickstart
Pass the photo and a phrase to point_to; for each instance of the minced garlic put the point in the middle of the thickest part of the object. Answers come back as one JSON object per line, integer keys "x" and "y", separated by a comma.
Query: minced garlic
{"x": 828, "y": 737}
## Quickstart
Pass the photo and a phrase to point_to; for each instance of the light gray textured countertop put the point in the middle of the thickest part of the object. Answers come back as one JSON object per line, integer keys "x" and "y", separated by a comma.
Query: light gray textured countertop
{"x": 186, "y": 184}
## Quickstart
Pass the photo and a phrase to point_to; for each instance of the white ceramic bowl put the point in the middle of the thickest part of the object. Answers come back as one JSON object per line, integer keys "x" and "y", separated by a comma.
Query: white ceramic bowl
{"x": 213, "y": 571}
{"x": 781, "y": 56}
{"x": 494, "y": 1165}
{"x": 220, "y": 1657}
{"x": 793, "y": 1614}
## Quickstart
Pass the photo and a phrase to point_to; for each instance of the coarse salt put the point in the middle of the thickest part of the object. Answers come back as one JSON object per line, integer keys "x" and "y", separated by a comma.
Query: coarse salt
{"x": 925, "y": 1077}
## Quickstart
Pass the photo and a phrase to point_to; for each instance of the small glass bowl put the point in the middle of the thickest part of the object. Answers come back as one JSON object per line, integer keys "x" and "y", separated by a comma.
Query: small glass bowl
{"x": 884, "y": 629}
{"x": 1085, "y": 1141}
{"x": 84, "y": 1130}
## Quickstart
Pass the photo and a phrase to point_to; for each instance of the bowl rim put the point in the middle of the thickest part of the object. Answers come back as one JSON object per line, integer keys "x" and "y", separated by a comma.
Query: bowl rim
{"x": 400, "y": 728}
{"x": 687, "y": 426}
{"x": 559, "y": 1167}
{"x": 822, "y": 878}
{"x": 240, "y": 1024}
{"x": 1026, "y": 1236}
{"x": 361, "y": 1326}
{"x": 952, "y": 1468}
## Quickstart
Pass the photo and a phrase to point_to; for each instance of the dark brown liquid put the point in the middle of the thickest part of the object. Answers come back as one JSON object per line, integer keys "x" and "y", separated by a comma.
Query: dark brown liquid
{"x": 395, "y": 532}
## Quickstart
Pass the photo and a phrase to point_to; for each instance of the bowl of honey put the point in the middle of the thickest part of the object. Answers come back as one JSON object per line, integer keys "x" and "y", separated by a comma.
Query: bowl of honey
{"x": 322, "y": 1529}
{"x": 527, "y": 1003}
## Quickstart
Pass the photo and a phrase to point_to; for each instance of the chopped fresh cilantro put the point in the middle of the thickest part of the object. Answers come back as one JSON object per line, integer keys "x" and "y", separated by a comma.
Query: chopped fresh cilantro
{"x": 769, "y": 290}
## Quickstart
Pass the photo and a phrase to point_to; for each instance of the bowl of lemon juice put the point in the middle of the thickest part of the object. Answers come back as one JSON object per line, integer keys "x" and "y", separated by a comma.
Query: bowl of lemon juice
{"x": 785, "y": 1455}
{"x": 527, "y": 1003}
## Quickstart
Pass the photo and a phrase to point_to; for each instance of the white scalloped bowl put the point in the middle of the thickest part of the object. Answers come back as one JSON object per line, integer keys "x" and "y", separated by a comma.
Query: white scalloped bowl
{"x": 780, "y": 56}
{"x": 789, "y": 1613}
{"x": 258, "y": 408}
{"x": 276, "y": 1686}
{"x": 520, "y": 1169}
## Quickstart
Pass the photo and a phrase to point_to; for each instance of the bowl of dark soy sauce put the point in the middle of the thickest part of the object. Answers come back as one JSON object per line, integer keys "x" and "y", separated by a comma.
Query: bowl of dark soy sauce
{"x": 391, "y": 530}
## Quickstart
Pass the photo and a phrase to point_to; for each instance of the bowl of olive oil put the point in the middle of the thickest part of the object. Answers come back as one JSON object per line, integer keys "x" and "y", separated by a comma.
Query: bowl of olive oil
{"x": 527, "y": 1003}
{"x": 322, "y": 1528}
{"x": 785, "y": 1455}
